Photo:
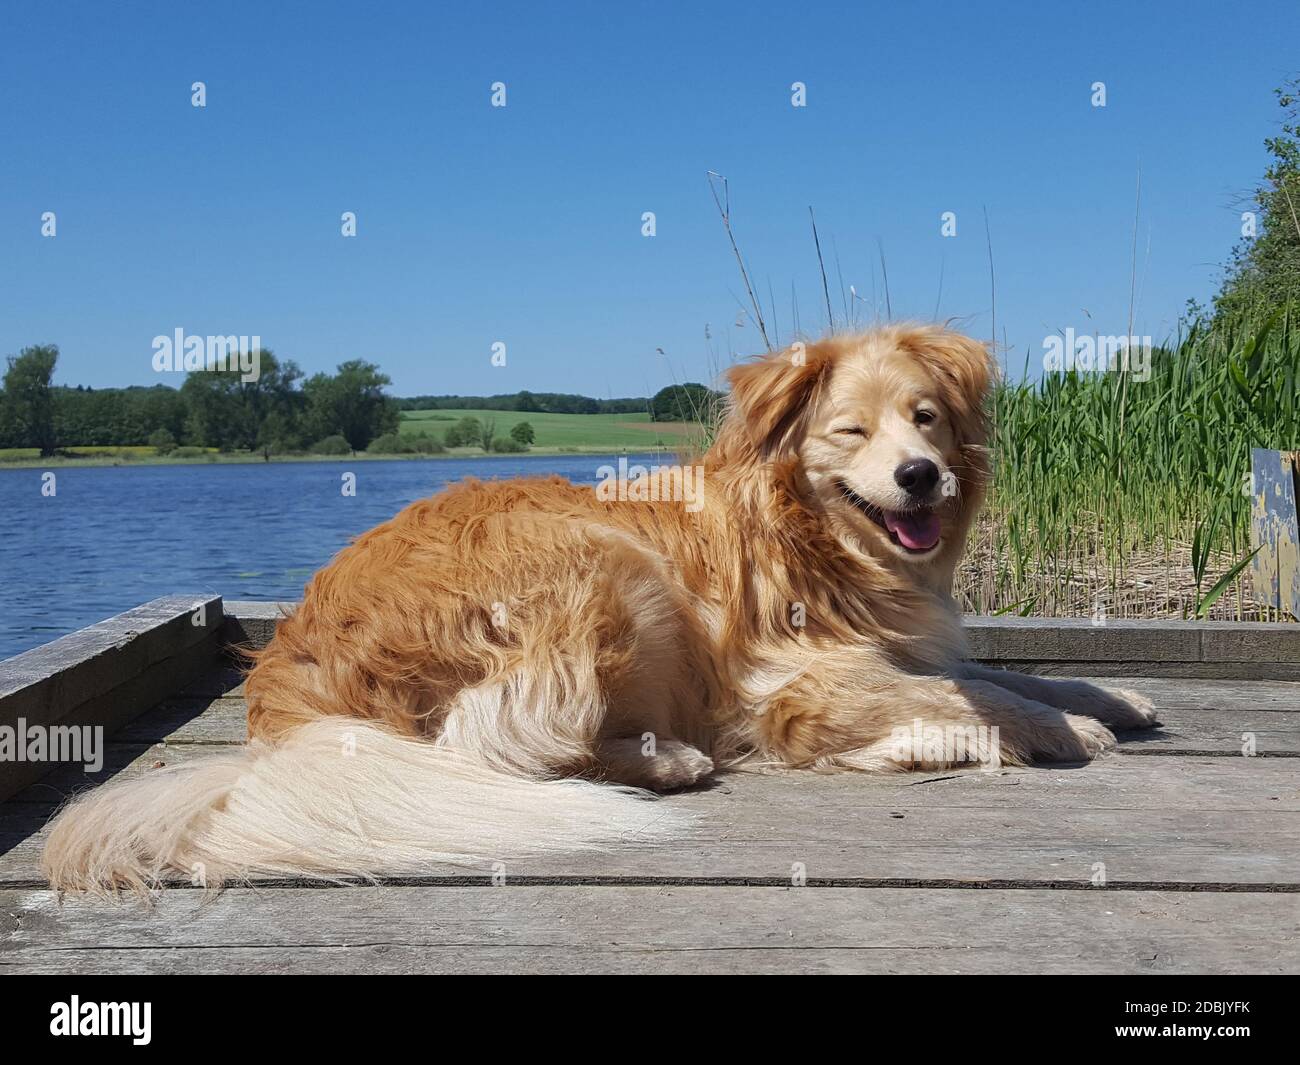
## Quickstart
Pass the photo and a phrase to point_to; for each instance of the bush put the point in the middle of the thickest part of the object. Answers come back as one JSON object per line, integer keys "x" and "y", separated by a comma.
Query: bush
{"x": 690, "y": 402}
{"x": 332, "y": 445}
{"x": 467, "y": 432}
{"x": 508, "y": 445}
{"x": 424, "y": 444}
{"x": 523, "y": 432}
{"x": 162, "y": 441}
{"x": 389, "y": 444}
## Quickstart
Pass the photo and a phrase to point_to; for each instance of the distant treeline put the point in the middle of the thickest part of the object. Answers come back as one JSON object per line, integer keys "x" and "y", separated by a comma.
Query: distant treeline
{"x": 281, "y": 412}
{"x": 676, "y": 403}
{"x": 531, "y": 403}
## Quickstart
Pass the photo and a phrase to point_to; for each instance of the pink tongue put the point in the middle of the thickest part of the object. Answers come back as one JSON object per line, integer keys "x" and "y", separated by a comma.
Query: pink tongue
{"x": 919, "y": 532}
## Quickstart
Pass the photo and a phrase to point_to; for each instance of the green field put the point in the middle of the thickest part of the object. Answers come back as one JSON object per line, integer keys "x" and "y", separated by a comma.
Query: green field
{"x": 592, "y": 433}
{"x": 564, "y": 432}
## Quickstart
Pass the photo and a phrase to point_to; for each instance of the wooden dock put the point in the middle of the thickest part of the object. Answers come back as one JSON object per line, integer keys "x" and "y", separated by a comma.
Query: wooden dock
{"x": 1174, "y": 854}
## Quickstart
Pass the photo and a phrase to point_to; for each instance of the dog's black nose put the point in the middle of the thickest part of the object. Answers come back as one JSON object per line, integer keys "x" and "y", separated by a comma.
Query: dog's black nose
{"x": 917, "y": 476}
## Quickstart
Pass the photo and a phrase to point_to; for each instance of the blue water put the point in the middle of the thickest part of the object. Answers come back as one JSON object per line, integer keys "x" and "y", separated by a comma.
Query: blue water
{"x": 113, "y": 537}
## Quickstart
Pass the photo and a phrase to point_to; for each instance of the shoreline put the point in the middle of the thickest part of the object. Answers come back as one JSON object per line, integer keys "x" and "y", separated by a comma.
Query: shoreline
{"x": 71, "y": 461}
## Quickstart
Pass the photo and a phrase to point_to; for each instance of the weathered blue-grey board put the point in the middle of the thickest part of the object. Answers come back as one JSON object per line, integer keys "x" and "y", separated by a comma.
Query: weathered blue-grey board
{"x": 1274, "y": 529}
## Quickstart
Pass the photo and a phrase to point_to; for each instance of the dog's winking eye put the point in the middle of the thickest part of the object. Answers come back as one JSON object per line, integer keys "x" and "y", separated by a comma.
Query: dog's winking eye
{"x": 923, "y": 416}
{"x": 849, "y": 430}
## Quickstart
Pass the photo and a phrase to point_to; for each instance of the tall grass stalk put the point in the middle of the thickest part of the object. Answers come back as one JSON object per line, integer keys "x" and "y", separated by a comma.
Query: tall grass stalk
{"x": 1115, "y": 496}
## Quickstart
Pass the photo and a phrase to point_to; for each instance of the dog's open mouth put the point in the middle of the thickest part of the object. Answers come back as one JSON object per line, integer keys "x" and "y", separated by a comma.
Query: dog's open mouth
{"x": 915, "y": 530}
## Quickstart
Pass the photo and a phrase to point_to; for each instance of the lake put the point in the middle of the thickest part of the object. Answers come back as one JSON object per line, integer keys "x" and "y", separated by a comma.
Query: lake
{"x": 113, "y": 537}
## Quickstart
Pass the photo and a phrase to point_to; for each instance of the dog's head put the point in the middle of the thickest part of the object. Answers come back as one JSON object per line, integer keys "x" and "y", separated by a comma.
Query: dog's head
{"x": 884, "y": 429}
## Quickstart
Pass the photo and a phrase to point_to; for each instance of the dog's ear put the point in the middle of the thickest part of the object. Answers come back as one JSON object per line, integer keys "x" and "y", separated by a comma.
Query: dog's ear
{"x": 963, "y": 369}
{"x": 771, "y": 395}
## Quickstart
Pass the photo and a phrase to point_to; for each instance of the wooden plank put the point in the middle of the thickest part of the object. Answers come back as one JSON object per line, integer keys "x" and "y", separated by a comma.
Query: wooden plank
{"x": 1198, "y": 717}
{"x": 106, "y": 674}
{"x": 252, "y": 624}
{"x": 21, "y": 838}
{"x": 224, "y": 720}
{"x": 1240, "y": 733}
{"x": 129, "y": 759}
{"x": 177, "y": 731}
{"x": 1111, "y": 672}
{"x": 1117, "y": 647}
{"x": 653, "y": 929}
{"x": 102, "y": 656}
{"x": 1183, "y": 693}
{"x": 1216, "y": 725}
{"x": 1148, "y": 821}
{"x": 202, "y": 719}
{"x": 227, "y": 679}
{"x": 1271, "y": 649}
{"x": 1080, "y": 640}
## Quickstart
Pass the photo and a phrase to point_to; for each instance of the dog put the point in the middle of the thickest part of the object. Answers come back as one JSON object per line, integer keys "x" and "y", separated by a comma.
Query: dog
{"x": 510, "y": 667}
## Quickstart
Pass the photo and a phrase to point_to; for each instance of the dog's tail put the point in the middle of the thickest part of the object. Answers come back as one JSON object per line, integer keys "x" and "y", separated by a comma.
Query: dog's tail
{"x": 336, "y": 798}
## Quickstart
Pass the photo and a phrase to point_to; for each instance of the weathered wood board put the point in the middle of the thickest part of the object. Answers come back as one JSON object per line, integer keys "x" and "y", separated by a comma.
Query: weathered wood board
{"x": 1172, "y": 820}
{"x": 1118, "y": 647}
{"x": 103, "y": 676}
{"x": 655, "y": 929}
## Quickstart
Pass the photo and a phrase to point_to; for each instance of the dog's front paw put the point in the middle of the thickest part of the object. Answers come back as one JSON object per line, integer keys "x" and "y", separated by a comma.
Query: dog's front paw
{"x": 673, "y": 764}
{"x": 676, "y": 765}
{"x": 1089, "y": 739}
{"x": 1065, "y": 738}
{"x": 1120, "y": 708}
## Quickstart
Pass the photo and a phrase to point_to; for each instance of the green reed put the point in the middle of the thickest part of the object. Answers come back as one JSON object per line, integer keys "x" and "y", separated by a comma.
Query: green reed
{"x": 1124, "y": 497}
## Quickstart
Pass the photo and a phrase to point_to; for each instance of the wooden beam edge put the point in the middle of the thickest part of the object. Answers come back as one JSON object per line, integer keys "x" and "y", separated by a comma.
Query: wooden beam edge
{"x": 100, "y": 677}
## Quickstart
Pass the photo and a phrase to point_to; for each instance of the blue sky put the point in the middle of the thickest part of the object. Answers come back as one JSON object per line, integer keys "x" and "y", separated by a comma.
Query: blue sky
{"x": 523, "y": 224}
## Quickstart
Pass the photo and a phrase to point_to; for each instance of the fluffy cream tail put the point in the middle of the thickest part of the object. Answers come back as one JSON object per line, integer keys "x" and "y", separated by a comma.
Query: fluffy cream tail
{"x": 337, "y": 798}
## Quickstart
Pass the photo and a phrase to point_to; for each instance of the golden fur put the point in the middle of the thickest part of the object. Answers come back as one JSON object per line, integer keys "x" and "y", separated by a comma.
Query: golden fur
{"x": 530, "y": 630}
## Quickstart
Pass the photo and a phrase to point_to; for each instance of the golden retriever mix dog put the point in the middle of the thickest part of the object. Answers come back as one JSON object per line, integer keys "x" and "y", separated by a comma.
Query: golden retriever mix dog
{"x": 506, "y": 667}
